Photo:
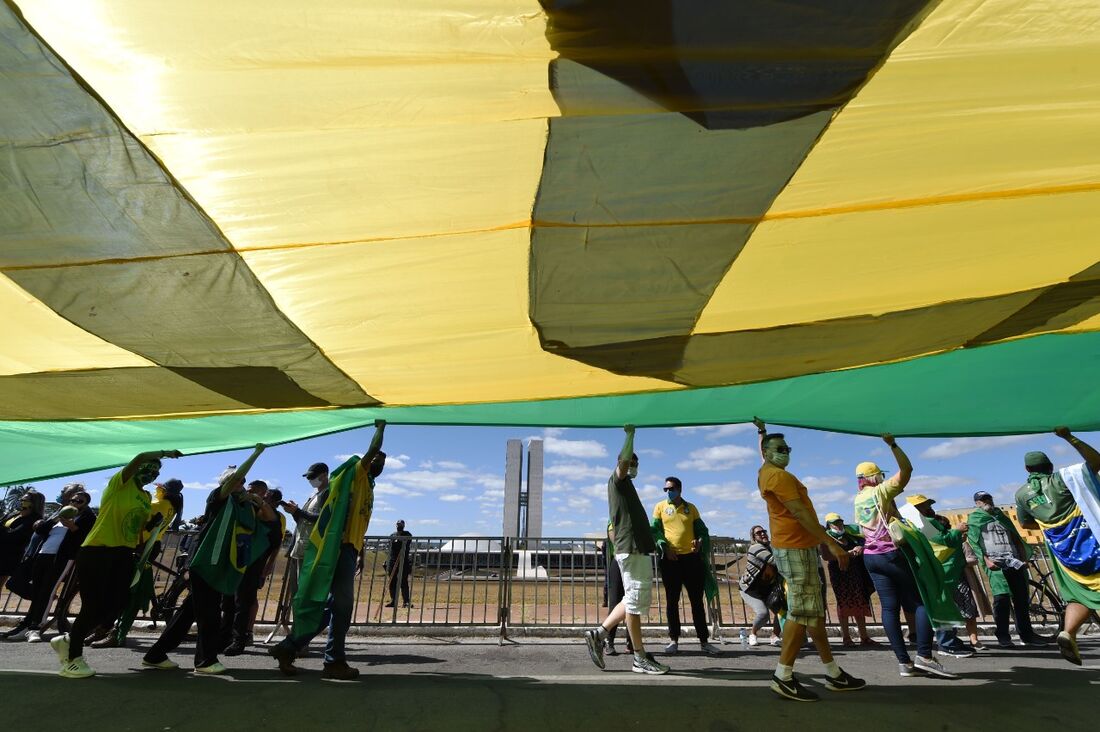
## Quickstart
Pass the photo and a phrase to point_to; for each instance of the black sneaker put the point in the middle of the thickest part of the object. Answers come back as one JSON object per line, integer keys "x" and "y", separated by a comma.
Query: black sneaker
{"x": 285, "y": 655}
{"x": 845, "y": 682}
{"x": 957, "y": 652}
{"x": 234, "y": 649}
{"x": 792, "y": 690}
{"x": 595, "y": 647}
{"x": 339, "y": 671}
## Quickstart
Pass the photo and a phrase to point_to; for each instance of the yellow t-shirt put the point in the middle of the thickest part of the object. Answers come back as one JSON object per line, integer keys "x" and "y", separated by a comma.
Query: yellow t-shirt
{"x": 777, "y": 486}
{"x": 167, "y": 513}
{"x": 360, "y": 507}
{"x": 679, "y": 524}
{"x": 123, "y": 511}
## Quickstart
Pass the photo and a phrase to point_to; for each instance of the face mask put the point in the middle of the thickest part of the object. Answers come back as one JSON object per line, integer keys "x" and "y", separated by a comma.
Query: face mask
{"x": 317, "y": 482}
{"x": 632, "y": 472}
{"x": 780, "y": 460}
{"x": 147, "y": 474}
{"x": 833, "y": 531}
{"x": 673, "y": 495}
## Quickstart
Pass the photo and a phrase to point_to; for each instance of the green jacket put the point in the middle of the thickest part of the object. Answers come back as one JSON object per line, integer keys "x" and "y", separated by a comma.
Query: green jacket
{"x": 977, "y": 520}
{"x": 955, "y": 563}
{"x": 710, "y": 584}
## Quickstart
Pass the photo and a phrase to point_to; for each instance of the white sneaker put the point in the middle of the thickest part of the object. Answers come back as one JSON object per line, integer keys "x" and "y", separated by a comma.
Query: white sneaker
{"x": 77, "y": 668}
{"x": 710, "y": 649}
{"x": 753, "y": 640}
{"x": 60, "y": 646}
{"x": 212, "y": 669}
{"x": 775, "y": 641}
{"x": 673, "y": 647}
{"x": 34, "y": 636}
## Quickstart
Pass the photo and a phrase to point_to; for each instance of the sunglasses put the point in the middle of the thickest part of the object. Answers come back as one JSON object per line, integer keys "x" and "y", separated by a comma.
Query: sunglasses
{"x": 760, "y": 533}
{"x": 783, "y": 449}
{"x": 79, "y": 500}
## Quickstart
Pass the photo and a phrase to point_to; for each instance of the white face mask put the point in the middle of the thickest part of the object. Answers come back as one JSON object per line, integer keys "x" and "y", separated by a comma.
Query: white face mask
{"x": 632, "y": 471}
{"x": 317, "y": 482}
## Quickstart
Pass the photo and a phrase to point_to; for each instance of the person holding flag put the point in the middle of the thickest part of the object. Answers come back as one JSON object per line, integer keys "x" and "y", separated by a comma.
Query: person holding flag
{"x": 227, "y": 544}
{"x": 1066, "y": 506}
{"x": 331, "y": 559}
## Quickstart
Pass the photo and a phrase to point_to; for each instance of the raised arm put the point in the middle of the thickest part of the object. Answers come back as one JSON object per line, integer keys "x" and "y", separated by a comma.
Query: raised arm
{"x": 905, "y": 468}
{"x": 1087, "y": 451}
{"x": 141, "y": 458}
{"x": 622, "y": 469}
{"x": 761, "y": 431}
{"x": 376, "y": 442}
{"x": 239, "y": 474}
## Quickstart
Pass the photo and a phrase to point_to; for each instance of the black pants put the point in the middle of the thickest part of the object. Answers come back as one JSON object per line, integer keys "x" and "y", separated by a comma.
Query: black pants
{"x": 403, "y": 577}
{"x": 676, "y": 575}
{"x": 203, "y": 606}
{"x": 105, "y": 573}
{"x": 246, "y": 599}
{"x": 45, "y": 570}
{"x": 1017, "y": 603}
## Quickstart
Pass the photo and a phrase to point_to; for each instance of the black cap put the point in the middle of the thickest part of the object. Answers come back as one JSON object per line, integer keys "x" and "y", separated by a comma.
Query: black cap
{"x": 315, "y": 470}
{"x": 983, "y": 496}
{"x": 173, "y": 485}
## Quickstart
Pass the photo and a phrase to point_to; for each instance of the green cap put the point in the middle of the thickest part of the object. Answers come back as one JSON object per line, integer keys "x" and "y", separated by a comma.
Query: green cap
{"x": 1036, "y": 459}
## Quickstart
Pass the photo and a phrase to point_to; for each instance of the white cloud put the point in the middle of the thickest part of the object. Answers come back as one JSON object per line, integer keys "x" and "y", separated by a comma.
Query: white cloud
{"x": 719, "y": 457}
{"x": 431, "y": 480}
{"x": 429, "y": 522}
{"x": 733, "y": 490}
{"x": 388, "y": 489}
{"x": 450, "y": 465}
{"x": 491, "y": 496}
{"x": 452, "y": 497}
{"x": 578, "y": 503}
{"x": 650, "y": 452}
{"x": 577, "y": 471}
{"x": 832, "y": 496}
{"x": 342, "y": 458}
{"x": 197, "y": 486}
{"x": 573, "y": 448}
{"x": 715, "y": 432}
{"x": 963, "y": 445}
{"x": 396, "y": 462}
{"x": 832, "y": 481}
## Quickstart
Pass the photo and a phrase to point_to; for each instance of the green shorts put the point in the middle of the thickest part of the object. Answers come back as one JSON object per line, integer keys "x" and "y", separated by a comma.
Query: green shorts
{"x": 798, "y": 567}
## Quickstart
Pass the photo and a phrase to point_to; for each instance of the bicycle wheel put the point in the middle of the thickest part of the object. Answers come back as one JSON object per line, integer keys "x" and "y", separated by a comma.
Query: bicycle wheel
{"x": 1046, "y": 609}
{"x": 167, "y": 604}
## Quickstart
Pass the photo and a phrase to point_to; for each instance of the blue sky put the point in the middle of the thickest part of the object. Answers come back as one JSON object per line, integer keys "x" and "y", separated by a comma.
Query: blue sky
{"x": 450, "y": 480}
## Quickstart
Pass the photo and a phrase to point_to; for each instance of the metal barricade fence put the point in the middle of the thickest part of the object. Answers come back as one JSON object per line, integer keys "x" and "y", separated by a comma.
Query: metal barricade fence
{"x": 491, "y": 581}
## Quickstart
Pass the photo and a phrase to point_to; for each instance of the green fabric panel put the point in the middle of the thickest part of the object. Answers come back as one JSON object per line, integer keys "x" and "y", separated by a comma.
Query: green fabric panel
{"x": 965, "y": 392}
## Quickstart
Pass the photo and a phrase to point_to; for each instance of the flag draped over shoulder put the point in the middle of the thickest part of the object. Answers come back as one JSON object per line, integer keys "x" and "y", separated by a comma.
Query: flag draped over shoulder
{"x": 1072, "y": 542}
{"x": 228, "y": 547}
{"x": 932, "y": 583}
{"x": 322, "y": 553}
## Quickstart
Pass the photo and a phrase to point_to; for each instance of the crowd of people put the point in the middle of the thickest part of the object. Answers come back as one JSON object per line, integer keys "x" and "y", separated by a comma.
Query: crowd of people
{"x": 922, "y": 568}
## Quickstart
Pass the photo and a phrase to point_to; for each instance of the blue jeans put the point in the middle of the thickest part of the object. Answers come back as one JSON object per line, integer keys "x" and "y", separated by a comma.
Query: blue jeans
{"x": 897, "y": 590}
{"x": 341, "y": 602}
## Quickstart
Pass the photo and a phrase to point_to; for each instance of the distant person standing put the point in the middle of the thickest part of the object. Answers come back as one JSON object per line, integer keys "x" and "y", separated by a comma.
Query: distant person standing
{"x": 1066, "y": 506}
{"x": 398, "y": 564}
{"x": 634, "y": 547}
{"x": 796, "y": 534}
{"x": 683, "y": 560}
{"x": 852, "y": 587}
{"x": 758, "y": 582}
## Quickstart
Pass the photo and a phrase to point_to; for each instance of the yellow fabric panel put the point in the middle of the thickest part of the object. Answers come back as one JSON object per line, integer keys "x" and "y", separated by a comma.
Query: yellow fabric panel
{"x": 41, "y": 340}
{"x": 434, "y": 320}
{"x": 387, "y": 119}
{"x": 873, "y": 263}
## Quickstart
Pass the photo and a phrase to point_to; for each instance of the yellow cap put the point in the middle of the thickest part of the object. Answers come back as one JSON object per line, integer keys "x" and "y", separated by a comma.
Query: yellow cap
{"x": 917, "y": 499}
{"x": 867, "y": 470}
{"x": 831, "y": 517}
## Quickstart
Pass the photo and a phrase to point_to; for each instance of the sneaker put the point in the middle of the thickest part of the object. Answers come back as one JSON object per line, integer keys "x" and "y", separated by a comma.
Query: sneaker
{"x": 1005, "y": 644}
{"x": 595, "y": 647}
{"x": 164, "y": 665}
{"x": 77, "y": 668}
{"x": 709, "y": 648}
{"x": 17, "y": 634}
{"x": 339, "y": 671}
{"x": 979, "y": 646}
{"x": 60, "y": 646}
{"x": 34, "y": 636}
{"x": 673, "y": 647}
{"x": 792, "y": 690}
{"x": 408, "y": 606}
{"x": 907, "y": 669}
{"x": 285, "y": 655}
{"x": 932, "y": 667}
{"x": 1067, "y": 645}
{"x": 212, "y": 669}
{"x": 776, "y": 641}
{"x": 234, "y": 649}
{"x": 844, "y": 682}
{"x": 959, "y": 652}
{"x": 609, "y": 648}
{"x": 649, "y": 665}
{"x": 753, "y": 640}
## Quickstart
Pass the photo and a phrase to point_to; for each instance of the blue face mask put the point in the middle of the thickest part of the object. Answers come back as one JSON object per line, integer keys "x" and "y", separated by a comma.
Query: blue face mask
{"x": 673, "y": 495}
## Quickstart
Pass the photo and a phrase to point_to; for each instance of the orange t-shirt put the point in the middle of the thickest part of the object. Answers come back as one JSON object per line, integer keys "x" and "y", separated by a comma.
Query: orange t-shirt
{"x": 776, "y": 486}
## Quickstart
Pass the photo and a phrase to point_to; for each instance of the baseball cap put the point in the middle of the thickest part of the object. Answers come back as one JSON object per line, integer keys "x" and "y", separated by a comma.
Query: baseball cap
{"x": 831, "y": 517}
{"x": 1036, "y": 459}
{"x": 867, "y": 470}
{"x": 917, "y": 499}
{"x": 315, "y": 470}
{"x": 983, "y": 496}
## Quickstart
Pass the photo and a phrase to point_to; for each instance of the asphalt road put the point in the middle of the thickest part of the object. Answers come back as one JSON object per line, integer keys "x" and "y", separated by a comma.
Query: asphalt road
{"x": 441, "y": 684}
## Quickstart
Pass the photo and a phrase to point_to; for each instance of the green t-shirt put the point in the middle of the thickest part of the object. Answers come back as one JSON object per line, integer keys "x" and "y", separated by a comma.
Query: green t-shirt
{"x": 123, "y": 511}
{"x": 629, "y": 520}
{"x": 1045, "y": 498}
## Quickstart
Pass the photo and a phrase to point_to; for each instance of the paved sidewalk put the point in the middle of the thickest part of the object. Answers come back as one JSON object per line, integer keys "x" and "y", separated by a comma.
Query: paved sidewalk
{"x": 444, "y": 684}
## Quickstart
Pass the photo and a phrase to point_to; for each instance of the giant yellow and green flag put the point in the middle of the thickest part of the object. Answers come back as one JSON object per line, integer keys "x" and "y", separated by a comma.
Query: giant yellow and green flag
{"x": 261, "y": 220}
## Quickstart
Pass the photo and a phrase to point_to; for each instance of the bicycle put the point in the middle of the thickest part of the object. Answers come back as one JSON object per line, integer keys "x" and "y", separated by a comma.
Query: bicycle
{"x": 1045, "y": 605}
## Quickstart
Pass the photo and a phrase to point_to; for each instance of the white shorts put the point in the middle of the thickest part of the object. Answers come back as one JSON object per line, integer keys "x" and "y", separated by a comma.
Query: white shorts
{"x": 637, "y": 572}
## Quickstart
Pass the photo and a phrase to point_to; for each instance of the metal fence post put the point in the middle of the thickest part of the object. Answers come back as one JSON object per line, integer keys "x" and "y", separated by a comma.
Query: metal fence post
{"x": 504, "y": 596}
